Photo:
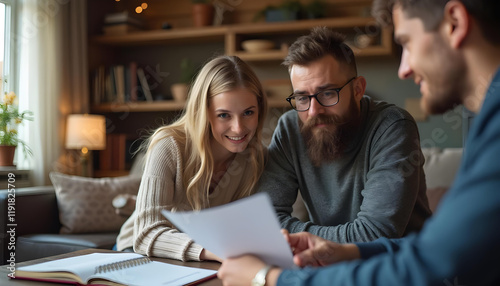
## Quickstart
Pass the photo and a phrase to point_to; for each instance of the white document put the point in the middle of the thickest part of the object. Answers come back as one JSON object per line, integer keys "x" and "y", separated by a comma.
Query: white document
{"x": 246, "y": 226}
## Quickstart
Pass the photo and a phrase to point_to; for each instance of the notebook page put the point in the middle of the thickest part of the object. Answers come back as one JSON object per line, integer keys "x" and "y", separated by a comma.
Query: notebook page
{"x": 156, "y": 273}
{"x": 83, "y": 265}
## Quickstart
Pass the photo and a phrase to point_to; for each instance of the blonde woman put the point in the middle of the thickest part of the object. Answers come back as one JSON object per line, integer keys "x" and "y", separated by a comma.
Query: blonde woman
{"x": 211, "y": 156}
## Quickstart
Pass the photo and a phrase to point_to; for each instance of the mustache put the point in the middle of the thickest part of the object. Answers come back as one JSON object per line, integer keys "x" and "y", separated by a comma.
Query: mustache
{"x": 324, "y": 119}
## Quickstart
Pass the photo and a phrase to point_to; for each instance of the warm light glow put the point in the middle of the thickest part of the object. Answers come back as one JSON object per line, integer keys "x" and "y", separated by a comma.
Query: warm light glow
{"x": 144, "y": 6}
{"x": 117, "y": 0}
{"x": 85, "y": 150}
{"x": 138, "y": 10}
{"x": 84, "y": 131}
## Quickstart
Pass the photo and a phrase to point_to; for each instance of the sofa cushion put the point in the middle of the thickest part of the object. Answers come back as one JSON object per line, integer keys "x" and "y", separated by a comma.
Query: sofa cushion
{"x": 441, "y": 165}
{"x": 34, "y": 246}
{"x": 85, "y": 204}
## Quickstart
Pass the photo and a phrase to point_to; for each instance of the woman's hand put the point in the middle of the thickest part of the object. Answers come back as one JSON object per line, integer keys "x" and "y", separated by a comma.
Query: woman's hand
{"x": 311, "y": 250}
{"x": 207, "y": 255}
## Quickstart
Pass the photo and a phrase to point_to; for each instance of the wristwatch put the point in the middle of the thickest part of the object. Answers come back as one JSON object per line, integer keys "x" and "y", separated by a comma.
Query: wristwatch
{"x": 260, "y": 277}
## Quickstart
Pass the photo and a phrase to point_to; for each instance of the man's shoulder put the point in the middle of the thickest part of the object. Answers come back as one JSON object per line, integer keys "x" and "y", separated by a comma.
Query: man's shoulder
{"x": 289, "y": 116}
{"x": 288, "y": 120}
{"x": 386, "y": 112}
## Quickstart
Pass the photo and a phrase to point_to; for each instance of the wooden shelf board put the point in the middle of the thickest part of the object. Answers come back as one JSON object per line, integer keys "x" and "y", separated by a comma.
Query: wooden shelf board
{"x": 180, "y": 35}
{"x": 204, "y": 34}
{"x": 167, "y": 105}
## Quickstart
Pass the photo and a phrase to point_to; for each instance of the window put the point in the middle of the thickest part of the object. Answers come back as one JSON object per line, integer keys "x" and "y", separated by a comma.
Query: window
{"x": 6, "y": 51}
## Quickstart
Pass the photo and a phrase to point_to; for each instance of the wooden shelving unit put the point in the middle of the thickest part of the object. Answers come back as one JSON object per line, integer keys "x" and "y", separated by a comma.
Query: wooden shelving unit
{"x": 232, "y": 36}
{"x": 167, "y": 105}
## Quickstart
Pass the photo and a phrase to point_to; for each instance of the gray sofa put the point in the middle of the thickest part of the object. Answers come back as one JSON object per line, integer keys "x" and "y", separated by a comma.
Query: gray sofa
{"x": 37, "y": 227}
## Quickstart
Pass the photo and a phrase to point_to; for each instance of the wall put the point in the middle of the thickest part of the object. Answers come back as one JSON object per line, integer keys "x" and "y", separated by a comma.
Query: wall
{"x": 382, "y": 83}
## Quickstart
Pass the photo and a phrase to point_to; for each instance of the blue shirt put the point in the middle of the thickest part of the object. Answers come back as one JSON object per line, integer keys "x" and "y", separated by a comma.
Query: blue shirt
{"x": 459, "y": 245}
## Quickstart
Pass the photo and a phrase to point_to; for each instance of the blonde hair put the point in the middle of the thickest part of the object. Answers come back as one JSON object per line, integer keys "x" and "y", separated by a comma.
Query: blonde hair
{"x": 192, "y": 129}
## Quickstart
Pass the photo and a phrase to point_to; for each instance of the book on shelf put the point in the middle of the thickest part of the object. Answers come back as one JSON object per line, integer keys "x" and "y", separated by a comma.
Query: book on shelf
{"x": 113, "y": 269}
{"x": 122, "y": 17}
{"x": 121, "y": 84}
{"x": 114, "y": 156}
{"x": 121, "y": 23}
{"x": 144, "y": 84}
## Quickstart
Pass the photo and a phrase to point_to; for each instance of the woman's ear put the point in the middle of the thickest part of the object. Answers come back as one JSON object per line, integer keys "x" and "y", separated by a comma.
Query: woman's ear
{"x": 359, "y": 87}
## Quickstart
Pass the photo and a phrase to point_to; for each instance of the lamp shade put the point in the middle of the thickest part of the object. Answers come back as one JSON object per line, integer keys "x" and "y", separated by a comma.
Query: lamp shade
{"x": 84, "y": 130}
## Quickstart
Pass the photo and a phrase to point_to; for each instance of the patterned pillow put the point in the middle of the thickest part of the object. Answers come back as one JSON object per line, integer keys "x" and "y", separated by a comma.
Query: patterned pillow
{"x": 85, "y": 204}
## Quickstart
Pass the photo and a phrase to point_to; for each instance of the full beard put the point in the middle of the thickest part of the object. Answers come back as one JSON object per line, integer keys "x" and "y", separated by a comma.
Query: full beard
{"x": 325, "y": 144}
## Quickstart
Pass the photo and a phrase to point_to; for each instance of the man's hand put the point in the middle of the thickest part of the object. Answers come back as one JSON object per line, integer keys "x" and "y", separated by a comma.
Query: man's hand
{"x": 311, "y": 250}
{"x": 241, "y": 271}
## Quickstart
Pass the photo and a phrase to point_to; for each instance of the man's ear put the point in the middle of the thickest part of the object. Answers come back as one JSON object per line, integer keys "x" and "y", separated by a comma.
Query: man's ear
{"x": 457, "y": 23}
{"x": 359, "y": 87}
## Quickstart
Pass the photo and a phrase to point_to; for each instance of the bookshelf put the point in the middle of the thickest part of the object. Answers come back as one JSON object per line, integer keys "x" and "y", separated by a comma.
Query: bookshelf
{"x": 231, "y": 37}
{"x": 154, "y": 46}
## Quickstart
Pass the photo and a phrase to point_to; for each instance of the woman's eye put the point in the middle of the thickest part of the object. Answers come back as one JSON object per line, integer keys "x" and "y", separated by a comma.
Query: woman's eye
{"x": 223, "y": 115}
{"x": 248, "y": 112}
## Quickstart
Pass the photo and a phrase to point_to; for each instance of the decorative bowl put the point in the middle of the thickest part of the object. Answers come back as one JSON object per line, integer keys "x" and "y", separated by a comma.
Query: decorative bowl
{"x": 253, "y": 46}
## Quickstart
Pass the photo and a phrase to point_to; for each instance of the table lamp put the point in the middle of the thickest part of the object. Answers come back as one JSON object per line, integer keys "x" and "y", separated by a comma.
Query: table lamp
{"x": 85, "y": 132}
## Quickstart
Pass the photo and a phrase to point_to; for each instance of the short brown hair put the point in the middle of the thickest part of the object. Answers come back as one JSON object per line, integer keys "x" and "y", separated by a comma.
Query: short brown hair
{"x": 320, "y": 42}
{"x": 431, "y": 13}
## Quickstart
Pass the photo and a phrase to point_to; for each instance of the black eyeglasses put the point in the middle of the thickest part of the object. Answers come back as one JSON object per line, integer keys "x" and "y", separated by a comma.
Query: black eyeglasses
{"x": 328, "y": 97}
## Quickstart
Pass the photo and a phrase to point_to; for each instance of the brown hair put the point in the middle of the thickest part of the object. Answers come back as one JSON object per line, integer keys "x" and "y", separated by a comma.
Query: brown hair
{"x": 430, "y": 12}
{"x": 320, "y": 42}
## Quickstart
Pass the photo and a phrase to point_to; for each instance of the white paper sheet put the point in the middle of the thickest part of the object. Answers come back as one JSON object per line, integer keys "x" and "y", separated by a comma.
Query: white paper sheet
{"x": 246, "y": 226}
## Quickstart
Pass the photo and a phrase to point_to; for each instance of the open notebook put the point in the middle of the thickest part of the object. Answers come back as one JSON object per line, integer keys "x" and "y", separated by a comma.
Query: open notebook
{"x": 113, "y": 269}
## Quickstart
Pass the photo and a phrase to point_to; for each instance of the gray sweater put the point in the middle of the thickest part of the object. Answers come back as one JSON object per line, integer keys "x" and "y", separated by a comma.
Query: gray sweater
{"x": 377, "y": 189}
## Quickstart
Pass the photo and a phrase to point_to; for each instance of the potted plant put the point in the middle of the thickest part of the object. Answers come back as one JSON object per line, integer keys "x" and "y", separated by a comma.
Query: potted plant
{"x": 289, "y": 10}
{"x": 180, "y": 90}
{"x": 315, "y": 9}
{"x": 10, "y": 118}
{"x": 203, "y": 13}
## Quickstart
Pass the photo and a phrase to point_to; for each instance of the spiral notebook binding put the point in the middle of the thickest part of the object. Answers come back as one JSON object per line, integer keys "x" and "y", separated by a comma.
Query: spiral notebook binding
{"x": 121, "y": 265}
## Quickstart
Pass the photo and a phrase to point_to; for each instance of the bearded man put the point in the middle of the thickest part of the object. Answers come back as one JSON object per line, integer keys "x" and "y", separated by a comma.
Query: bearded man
{"x": 356, "y": 162}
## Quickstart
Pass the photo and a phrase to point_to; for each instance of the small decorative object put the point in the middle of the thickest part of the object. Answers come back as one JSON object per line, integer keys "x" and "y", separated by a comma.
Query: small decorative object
{"x": 253, "y": 46}
{"x": 180, "y": 90}
{"x": 364, "y": 40}
{"x": 289, "y": 10}
{"x": 203, "y": 13}
{"x": 10, "y": 118}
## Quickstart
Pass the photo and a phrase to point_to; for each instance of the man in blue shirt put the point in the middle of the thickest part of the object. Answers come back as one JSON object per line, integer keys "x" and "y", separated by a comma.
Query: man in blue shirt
{"x": 451, "y": 49}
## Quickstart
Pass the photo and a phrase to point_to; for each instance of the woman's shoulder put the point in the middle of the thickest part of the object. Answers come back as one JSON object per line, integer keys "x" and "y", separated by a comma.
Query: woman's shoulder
{"x": 167, "y": 145}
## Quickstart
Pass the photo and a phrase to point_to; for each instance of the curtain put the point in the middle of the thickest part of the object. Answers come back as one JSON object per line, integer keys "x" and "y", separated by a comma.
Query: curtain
{"x": 52, "y": 76}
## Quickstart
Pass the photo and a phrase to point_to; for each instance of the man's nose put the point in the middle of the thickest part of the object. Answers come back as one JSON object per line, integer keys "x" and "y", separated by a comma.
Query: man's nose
{"x": 315, "y": 107}
{"x": 404, "y": 71}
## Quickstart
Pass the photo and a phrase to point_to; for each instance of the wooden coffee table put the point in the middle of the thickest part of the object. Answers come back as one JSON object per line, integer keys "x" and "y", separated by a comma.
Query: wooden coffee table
{"x": 5, "y": 280}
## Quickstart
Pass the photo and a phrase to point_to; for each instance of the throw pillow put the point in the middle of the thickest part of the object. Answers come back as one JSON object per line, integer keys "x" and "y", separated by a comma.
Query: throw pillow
{"x": 85, "y": 204}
